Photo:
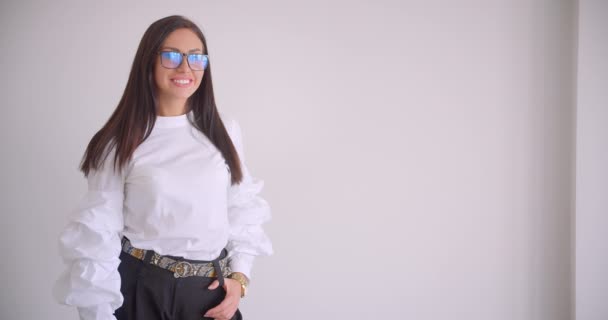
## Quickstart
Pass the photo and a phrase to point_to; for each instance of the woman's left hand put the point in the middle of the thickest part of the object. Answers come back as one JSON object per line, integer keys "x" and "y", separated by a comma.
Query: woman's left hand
{"x": 227, "y": 308}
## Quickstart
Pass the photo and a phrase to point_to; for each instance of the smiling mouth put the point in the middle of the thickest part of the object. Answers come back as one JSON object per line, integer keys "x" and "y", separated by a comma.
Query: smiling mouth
{"x": 182, "y": 81}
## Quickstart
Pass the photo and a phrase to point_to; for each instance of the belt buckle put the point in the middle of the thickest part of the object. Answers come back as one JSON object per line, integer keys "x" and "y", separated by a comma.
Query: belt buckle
{"x": 182, "y": 269}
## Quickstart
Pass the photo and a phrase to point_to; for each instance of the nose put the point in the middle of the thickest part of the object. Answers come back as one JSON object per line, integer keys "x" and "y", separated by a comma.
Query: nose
{"x": 184, "y": 67}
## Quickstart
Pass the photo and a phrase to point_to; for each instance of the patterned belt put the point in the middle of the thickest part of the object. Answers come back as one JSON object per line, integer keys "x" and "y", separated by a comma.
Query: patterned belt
{"x": 179, "y": 266}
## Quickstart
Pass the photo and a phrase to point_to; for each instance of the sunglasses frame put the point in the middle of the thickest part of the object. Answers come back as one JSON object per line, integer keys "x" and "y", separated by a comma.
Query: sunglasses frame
{"x": 182, "y": 59}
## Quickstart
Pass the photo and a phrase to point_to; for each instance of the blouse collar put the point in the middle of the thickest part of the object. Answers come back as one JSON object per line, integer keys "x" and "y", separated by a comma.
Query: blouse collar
{"x": 173, "y": 121}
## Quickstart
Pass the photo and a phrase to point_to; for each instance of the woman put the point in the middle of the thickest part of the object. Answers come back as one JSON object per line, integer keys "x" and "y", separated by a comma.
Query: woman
{"x": 171, "y": 221}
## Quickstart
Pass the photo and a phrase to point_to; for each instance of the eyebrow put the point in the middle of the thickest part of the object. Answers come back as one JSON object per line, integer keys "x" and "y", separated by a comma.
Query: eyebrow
{"x": 176, "y": 49}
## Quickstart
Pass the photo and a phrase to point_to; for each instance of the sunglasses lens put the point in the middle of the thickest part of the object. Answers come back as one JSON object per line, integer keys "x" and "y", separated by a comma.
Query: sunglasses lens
{"x": 198, "y": 61}
{"x": 170, "y": 60}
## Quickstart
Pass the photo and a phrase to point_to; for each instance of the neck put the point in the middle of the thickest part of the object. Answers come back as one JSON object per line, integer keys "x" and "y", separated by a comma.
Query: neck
{"x": 171, "y": 108}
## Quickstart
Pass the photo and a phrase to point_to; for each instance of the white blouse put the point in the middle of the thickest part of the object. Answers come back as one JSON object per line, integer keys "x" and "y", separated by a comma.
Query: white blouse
{"x": 174, "y": 197}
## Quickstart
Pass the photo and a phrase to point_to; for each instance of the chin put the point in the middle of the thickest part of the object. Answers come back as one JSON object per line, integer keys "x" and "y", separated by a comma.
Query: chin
{"x": 183, "y": 95}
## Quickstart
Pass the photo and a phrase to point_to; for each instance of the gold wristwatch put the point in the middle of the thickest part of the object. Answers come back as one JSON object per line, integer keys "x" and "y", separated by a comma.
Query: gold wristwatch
{"x": 242, "y": 279}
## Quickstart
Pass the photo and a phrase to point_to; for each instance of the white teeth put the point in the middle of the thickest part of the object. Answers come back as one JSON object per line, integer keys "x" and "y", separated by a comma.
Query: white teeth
{"x": 182, "y": 81}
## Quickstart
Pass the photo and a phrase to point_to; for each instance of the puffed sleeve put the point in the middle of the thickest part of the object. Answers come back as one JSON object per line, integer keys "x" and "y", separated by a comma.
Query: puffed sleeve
{"x": 247, "y": 211}
{"x": 90, "y": 246}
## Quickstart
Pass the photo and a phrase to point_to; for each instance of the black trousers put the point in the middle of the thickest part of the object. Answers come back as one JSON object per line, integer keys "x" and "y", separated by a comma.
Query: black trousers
{"x": 153, "y": 293}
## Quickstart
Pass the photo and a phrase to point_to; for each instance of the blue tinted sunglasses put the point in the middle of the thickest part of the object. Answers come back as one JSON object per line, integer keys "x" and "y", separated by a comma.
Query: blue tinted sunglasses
{"x": 173, "y": 59}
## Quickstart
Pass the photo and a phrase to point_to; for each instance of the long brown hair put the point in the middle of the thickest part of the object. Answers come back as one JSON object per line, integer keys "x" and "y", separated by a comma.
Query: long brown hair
{"x": 132, "y": 121}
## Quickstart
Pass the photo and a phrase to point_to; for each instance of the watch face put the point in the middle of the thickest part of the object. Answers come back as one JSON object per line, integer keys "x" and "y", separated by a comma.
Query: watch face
{"x": 240, "y": 278}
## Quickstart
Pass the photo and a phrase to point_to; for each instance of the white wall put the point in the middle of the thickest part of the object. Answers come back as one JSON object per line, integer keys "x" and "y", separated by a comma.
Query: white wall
{"x": 592, "y": 162}
{"x": 418, "y": 155}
